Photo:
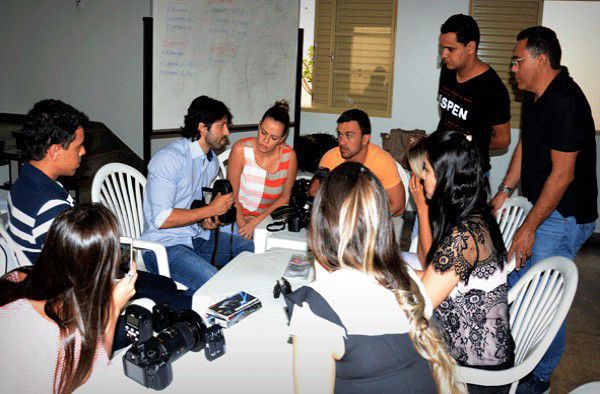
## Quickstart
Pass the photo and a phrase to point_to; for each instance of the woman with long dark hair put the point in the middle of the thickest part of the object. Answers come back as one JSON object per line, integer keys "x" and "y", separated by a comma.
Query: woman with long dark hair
{"x": 465, "y": 257}
{"x": 362, "y": 326}
{"x": 57, "y": 318}
{"x": 262, "y": 170}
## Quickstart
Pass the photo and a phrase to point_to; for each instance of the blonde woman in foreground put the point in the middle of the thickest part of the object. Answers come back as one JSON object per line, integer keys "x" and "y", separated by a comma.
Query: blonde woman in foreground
{"x": 363, "y": 326}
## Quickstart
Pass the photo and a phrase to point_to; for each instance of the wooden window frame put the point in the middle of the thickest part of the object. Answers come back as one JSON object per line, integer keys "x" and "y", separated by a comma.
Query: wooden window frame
{"x": 329, "y": 107}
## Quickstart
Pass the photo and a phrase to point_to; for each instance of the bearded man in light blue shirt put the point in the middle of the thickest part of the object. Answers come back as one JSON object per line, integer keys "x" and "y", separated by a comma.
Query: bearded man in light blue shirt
{"x": 176, "y": 176}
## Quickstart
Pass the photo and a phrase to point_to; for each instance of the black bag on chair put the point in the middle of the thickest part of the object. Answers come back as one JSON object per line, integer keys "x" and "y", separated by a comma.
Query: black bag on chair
{"x": 311, "y": 148}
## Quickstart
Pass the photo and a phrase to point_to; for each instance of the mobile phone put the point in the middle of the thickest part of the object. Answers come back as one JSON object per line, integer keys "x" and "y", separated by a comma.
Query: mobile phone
{"x": 126, "y": 257}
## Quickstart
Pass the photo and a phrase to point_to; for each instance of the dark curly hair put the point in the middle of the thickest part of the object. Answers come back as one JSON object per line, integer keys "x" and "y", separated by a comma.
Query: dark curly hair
{"x": 461, "y": 188}
{"x": 51, "y": 122}
{"x": 203, "y": 110}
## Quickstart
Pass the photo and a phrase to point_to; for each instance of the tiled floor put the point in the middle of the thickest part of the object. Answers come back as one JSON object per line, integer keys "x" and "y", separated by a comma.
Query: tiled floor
{"x": 581, "y": 362}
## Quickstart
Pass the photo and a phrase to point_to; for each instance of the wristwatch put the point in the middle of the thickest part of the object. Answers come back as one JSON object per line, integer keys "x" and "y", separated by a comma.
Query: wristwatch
{"x": 503, "y": 188}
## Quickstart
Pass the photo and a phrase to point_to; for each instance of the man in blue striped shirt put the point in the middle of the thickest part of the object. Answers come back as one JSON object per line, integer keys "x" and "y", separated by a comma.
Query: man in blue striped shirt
{"x": 54, "y": 135}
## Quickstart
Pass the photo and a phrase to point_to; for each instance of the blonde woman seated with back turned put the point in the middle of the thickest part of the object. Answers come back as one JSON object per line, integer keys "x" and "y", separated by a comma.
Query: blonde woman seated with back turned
{"x": 462, "y": 249}
{"x": 262, "y": 170}
{"x": 363, "y": 326}
{"x": 57, "y": 318}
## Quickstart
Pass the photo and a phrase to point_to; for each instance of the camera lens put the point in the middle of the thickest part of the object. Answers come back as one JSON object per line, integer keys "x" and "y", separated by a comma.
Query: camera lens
{"x": 180, "y": 338}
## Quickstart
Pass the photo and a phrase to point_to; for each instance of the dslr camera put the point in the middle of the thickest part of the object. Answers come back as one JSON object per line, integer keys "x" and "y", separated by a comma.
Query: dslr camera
{"x": 222, "y": 186}
{"x": 295, "y": 218}
{"x": 149, "y": 360}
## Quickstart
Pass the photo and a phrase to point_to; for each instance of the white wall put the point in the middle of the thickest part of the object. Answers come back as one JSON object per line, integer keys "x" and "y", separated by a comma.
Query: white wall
{"x": 88, "y": 56}
{"x": 577, "y": 25}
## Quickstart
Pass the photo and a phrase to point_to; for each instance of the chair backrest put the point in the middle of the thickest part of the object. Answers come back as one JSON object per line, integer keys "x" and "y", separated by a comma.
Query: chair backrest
{"x": 14, "y": 256}
{"x": 539, "y": 303}
{"x": 405, "y": 180}
{"x": 510, "y": 216}
{"x": 223, "y": 162}
{"x": 120, "y": 188}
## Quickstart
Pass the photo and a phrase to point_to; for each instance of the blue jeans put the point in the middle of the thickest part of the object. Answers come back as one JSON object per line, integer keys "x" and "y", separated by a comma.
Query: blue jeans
{"x": 556, "y": 236}
{"x": 191, "y": 266}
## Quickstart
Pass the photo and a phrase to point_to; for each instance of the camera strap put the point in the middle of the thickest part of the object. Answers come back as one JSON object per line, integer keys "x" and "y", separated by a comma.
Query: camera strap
{"x": 276, "y": 226}
{"x": 214, "y": 253}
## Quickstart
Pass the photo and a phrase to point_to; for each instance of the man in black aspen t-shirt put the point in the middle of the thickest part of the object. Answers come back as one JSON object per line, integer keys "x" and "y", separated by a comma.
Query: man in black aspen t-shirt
{"x": 471, "y": 96}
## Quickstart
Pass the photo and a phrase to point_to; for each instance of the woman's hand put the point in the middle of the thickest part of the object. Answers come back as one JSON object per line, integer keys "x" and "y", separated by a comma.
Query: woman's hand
{"x": 416, "y": 189}
{"x": 247, "y": 230}
{"x": 124, "y": 289}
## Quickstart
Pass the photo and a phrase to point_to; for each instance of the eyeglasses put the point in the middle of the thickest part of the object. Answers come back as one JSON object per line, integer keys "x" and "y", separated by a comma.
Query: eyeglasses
{"x": 516, "y": 60}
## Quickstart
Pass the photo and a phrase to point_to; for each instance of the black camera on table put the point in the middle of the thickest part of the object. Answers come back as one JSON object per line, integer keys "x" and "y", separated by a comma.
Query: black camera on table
{"x": 222, "y": 186}
{"x": 299, "y": 220}
{"x": 149, "y": 360}
{"x": 295, "y": 218}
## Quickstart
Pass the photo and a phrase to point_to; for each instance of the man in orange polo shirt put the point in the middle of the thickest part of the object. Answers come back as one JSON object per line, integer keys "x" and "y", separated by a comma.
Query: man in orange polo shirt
{"x": 354, "y": 134}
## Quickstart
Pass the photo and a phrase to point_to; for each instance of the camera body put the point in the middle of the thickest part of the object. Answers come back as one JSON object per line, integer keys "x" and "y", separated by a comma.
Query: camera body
{"x": 299, "y": 220}
{"x": 150, "y": 358}
{"x": 222, "y": 186}
{"x": 296, "y": 218}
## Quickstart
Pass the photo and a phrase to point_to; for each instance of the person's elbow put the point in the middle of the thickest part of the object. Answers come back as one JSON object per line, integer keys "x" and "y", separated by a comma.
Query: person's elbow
{"x": 397, "y": 201}
{"x": 564, "y": 177}
{"x": 500, "y": 137}
{"x": 161, "y": 219}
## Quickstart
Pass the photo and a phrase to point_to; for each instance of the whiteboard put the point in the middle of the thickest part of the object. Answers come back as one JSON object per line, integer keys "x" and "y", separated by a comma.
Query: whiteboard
{"x": 241, "y": 52}
{"x": 577, "y": 26}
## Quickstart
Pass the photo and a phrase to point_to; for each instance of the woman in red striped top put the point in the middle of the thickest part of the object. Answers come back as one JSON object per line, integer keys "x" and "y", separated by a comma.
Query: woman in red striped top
{"x": 262, "y": 170}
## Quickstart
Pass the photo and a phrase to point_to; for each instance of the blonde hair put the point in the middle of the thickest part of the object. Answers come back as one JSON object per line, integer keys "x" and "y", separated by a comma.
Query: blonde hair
{"x": 351, "y": 228}
{"x": 416, "y": 159}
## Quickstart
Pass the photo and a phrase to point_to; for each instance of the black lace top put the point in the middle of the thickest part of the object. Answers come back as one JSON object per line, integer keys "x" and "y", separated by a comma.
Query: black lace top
{"x": 474, "y": 317}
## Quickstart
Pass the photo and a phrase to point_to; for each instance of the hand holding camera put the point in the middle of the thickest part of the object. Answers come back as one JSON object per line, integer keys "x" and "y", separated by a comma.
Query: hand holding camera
{"x": 221, "y": 203}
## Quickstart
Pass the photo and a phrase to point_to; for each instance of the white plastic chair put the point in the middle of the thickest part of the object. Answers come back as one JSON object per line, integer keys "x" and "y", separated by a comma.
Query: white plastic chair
{"x": 12, "y": 256}
{"x": 120, "y": 188}
{"x": 223, "y": 162}
{"x": 539, "y": 303}
{"x": 510, "y": 217}
{"x": 398, "y": 221}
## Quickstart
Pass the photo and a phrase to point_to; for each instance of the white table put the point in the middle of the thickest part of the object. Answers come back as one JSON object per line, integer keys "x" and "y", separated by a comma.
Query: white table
{"x": 265, "y": 240}
{"x": 258, "y": 354}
